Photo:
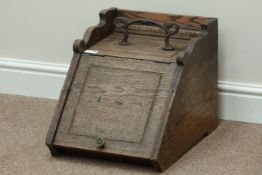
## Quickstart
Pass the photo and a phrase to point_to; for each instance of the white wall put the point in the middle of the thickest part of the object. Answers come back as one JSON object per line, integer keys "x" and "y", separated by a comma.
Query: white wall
{"x": 45, "y": 30}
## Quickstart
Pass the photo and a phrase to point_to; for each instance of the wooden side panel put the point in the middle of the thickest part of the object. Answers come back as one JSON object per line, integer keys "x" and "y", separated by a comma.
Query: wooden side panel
{"x": 194, "y": 111}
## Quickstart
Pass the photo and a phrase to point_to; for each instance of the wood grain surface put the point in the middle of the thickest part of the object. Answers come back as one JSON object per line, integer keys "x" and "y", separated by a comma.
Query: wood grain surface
{"x": 187, "y": 22}
{"x": 145, "y": 104}
{"x": 108, "y": 99}
{"x": 193, "y": 112}
{"x": 147, "y": 88}
{"x": 139, "y": 47}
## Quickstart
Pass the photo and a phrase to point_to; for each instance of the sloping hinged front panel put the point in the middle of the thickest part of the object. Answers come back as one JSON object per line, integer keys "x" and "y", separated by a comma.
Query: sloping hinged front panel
{"x": 120, "y": 100}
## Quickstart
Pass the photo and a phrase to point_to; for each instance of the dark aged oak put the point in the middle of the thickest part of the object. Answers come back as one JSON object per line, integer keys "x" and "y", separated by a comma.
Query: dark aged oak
{"x": 128, "y": 98}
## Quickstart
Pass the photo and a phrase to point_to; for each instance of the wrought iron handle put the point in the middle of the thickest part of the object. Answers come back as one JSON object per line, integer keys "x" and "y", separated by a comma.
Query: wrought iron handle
{"x": 123, "y": 23}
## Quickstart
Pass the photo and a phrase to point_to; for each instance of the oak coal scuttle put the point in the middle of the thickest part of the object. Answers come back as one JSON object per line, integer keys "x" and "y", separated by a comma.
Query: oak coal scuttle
{"x": 141, "y": 87}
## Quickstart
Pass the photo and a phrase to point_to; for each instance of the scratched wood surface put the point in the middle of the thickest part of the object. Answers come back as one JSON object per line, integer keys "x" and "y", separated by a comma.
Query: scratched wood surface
{"x": 139, "y": 47}
{"x": 187, "y": 22}
{"x": 92, "y": 36}
{"x": 193, "y": 112}
{"x": 119, "y": 99}
{"x": 108, "y": 100}
{"x": 149, "y": 105}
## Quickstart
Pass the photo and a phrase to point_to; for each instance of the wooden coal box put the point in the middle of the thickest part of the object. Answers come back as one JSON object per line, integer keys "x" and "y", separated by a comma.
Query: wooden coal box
{"x": 141, "y": 87}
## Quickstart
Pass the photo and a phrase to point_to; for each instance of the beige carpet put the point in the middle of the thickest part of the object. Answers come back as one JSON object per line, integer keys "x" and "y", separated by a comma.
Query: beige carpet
{"x": 233, "y": 149}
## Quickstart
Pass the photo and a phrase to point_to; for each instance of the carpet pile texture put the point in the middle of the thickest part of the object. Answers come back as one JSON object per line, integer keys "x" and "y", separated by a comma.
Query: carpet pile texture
{"x": 234, "y": 148}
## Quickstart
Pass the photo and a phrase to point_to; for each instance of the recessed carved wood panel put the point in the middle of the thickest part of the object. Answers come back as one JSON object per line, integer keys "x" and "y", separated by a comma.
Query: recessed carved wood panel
{"x": 108, "y": 100}
{"x": 118, "y": 99}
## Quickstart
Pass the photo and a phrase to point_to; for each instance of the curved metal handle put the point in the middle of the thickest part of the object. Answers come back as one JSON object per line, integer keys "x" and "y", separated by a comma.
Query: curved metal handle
{"x": 123, "y": 23}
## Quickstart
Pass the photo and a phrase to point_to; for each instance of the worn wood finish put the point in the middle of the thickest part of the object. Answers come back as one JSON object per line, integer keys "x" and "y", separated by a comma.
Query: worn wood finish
{"x": 60, "y": 104}
{"x": 193, "y": 112}
{"x": 92, "y": 35}
{"x": 138, "y": 102}
{"x": 105, "y": 93}
{"x": 187, "y": 22}
{"x": 152, "y": 47}
{"x": 98, "y": 32}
